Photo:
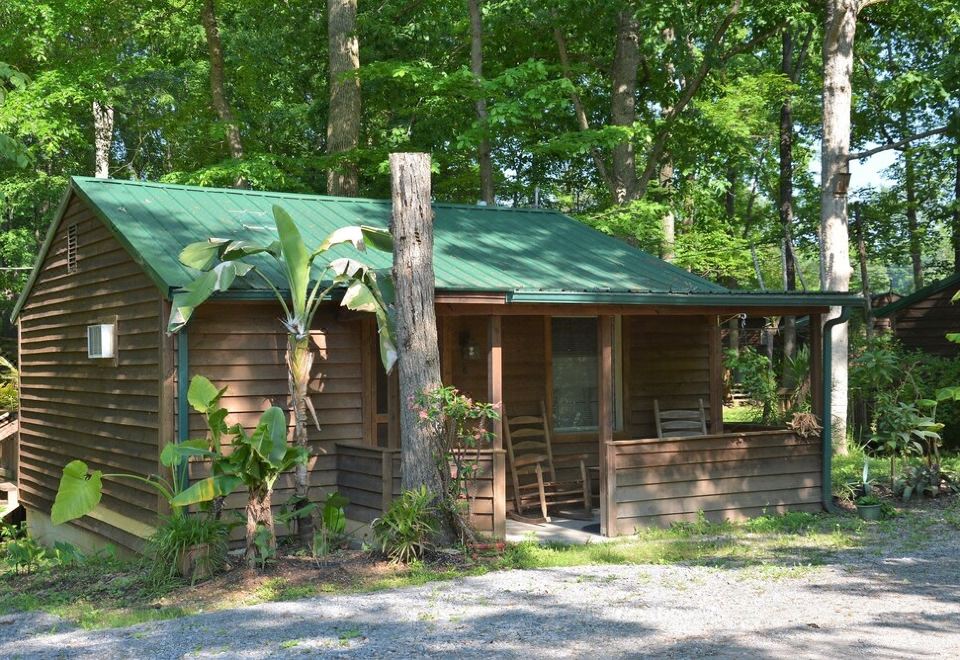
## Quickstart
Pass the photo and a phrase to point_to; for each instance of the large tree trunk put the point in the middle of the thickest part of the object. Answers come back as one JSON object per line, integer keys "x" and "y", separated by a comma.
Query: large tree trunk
{"x": 913, "y": 224}
{"x": 102, "y": 138}
{"x": 416, "y": 325}
{"x": 626, "y": 60}
{"x": 343, "y": 121}
{"x": 668, "y": 222}
{"x": 476, "y": 67}
{"x": 259, "y": 515}
{"x": 786, "y": 207}
{"x": 218, "y": 87}
{"x": 956, "y": 212}
{"x": 299, "y": 369}
{"x": 835, "y": 268}
{"x": 864, "y": 272}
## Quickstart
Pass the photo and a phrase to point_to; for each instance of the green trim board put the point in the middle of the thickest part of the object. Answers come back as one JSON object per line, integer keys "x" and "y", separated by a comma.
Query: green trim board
{"x": 531, "y": 255}
{"x": 918, "y": 295}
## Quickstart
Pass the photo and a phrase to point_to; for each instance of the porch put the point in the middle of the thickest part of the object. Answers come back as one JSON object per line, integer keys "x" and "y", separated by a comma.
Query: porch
{"x": 598, "y": 378}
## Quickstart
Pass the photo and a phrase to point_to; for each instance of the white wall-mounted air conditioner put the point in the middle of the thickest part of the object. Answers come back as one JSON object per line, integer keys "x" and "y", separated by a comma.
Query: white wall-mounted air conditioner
{"x": 101, "y": 340}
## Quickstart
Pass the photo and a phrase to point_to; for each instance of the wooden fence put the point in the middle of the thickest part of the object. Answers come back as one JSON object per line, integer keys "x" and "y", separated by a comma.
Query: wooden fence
{"x": 369, "y": 477}
{"x": 728, "y": 476}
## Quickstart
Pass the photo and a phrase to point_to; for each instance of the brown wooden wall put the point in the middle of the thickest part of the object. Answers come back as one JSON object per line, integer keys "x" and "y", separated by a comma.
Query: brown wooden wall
{"x": 659, "y": 482}
{"x": 242, "y": 346}
{"x": 924, "y": 324}
{"x": 104, "y": 412}
{"x": 665, "y": 358}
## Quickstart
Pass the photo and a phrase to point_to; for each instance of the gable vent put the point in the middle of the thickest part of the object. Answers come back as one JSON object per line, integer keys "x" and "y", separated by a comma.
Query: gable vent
{"x": 72, "y": 232}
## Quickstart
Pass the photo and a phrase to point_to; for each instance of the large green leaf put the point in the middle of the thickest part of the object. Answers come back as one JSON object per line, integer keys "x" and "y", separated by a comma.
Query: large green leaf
{"x": 78, "y": 494}
{"x": 219, "y": 278}
{"x": 361, "y": 237}
{"x": 202, "y": 255}
{"x": 207, "y": 490}
{"x": 269, "y": 439}
{"x": 174, "y": 453}
{"x": 296, "y": 259}
{"x": 203, "y": 395}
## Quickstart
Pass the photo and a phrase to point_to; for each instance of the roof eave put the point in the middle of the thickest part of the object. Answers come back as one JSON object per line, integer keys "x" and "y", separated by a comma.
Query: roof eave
{"x": 679, "y": 299}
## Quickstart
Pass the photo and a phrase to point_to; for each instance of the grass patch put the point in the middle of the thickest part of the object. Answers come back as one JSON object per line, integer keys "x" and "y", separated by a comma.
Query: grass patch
{"x": 743, "y": 414}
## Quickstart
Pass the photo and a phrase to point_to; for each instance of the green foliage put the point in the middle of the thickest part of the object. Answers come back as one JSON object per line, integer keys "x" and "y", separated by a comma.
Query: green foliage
{"x": 925, "y": 481}
{"x": 175, "y": 537}
{"x": 869, "y": 500}
{"x": 333, "y": 525}
{"x": 757, "y": 377}
{"x": 405, "y": 532}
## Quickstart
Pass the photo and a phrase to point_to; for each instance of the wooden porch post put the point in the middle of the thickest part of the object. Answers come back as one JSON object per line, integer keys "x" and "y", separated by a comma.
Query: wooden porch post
{"x": 816, "y": 365}
{"x": 716, "y": 376}
{"x": 495, "y": 395}
{"x": 608, "y": 475}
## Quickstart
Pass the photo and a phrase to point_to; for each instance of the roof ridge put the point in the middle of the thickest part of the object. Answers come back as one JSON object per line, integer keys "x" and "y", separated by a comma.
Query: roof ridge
{"x": 305, "y": 195}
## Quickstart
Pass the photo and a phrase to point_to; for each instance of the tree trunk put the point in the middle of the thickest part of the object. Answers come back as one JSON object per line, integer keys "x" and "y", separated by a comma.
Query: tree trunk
{"x": 102, "y": 138}
{"x": 956, "y": 212}
{"x": 218, "y": 88}
{"x": 299, "y": 369}
{"x": 835, "y": 268}
{"x": 259, "y": 514}
{"x": 864, "y": 273}
{"x": 913, "y": 224}
{"x": 343, "y": 120}
{"x": 786, "y": 207}
{"x": 668, "y": 222}
{"x": 416, "y": 325}
{"x": 626, "y": 60}
{"x": 476, "y": 67}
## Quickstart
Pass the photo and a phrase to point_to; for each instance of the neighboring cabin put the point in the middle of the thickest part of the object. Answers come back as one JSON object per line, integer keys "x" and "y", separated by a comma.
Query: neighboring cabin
{"x": 922, "y": 320}
{"x": 533, "y": 307}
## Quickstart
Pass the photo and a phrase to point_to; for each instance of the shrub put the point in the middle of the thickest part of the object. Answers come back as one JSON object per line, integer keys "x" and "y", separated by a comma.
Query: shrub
{"x": 176, "y": 536}
{"x": 757, "y": 377}
{"x": 405, "y": 532}
{"x": 869, "y": 500}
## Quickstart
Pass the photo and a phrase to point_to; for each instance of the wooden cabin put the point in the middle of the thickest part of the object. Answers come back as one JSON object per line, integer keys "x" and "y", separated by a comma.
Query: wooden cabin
{"x": 922, "y": 320}
{"x": 533, "y": 307}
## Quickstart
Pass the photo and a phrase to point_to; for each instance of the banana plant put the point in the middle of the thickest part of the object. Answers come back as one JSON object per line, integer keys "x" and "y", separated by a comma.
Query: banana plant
{"x": 308, "y": 284}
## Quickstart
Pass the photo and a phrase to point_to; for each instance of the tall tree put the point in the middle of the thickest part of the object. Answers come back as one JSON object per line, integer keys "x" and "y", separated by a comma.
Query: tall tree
{"x": 343, "y": 120}
{"x": 484, "y": 159}
{"x": 102, "y": 138}
{"x": 418, "y": 360}
{"x": 218, "y": 84}
{"x": 623, "y": 112}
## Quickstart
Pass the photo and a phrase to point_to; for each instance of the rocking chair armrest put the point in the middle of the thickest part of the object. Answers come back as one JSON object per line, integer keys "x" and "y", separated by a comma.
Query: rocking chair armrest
{"x": 574, "y": 460}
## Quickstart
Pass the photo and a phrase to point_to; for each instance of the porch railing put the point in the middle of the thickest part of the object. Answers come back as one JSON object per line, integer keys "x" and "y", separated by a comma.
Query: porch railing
{"x": 369, "y": 477}
{"x": 726, "y": 476}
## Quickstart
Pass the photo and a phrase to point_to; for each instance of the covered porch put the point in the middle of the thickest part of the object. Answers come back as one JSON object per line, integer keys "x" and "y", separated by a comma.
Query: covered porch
{"x": 597, "y": 371}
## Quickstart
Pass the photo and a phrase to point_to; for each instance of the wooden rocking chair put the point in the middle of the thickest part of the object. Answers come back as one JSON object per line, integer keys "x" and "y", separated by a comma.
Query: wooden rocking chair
{"x": 532, "y": 468}
{"x": 679, "y": 423}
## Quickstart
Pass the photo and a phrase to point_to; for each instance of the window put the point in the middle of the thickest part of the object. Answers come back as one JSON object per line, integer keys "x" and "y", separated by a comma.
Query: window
{"x": 101, "y": 340}
{"x": 72, "y": 232}
{"x": 575, "y": 368}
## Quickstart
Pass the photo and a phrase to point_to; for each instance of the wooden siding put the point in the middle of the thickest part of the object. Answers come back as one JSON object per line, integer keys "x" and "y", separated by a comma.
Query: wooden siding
{"x": 104, "y": 412}
{"x": 665, "y": 358}
{"x": 243, "y": 346}
{"x": 369, "y": 477}
{"x": 731, "y": 476}
{"x": 924, "y": 324}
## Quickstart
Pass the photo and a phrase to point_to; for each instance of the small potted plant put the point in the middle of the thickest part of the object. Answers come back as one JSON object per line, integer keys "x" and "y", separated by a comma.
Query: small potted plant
{"x": 869, "y": 507}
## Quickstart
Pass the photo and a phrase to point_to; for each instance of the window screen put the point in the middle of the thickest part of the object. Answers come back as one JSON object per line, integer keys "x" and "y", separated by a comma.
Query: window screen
{"x": 575, "y": 365}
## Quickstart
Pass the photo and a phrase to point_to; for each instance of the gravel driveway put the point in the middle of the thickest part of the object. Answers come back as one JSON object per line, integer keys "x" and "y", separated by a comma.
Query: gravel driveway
{"x": 904, "y": 604}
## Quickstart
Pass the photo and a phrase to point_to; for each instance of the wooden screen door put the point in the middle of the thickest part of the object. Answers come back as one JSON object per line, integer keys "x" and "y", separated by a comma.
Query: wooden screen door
{"x": 382, "y": 396}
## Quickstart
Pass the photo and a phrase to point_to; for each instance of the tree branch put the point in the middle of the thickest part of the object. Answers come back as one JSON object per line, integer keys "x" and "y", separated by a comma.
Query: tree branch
{"x": 898, "y": 144}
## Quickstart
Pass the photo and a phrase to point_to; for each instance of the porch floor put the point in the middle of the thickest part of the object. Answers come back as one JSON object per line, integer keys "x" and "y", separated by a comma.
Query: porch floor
{"x": 558, "y": 530}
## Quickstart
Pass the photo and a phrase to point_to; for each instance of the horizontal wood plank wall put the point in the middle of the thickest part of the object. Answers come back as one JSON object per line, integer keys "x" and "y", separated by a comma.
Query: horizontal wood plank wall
{"x": 924, "y": 324}
{"x": 669, "y": 360}
{"x": 104, "y": 412}
{"x": 243, "y": 346}
{"x": 369, "y": 477}
{"x": 469, "y": 374}
{"x": 725, "y": 476}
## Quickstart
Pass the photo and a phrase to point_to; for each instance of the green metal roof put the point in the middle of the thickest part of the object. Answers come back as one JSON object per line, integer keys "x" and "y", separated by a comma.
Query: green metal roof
{"x": 518, "y": 252}
{"x": 918, "y": 295}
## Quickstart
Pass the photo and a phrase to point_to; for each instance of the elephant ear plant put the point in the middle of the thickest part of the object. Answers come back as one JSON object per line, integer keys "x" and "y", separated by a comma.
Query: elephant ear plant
{"x": 310, "y": 279}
